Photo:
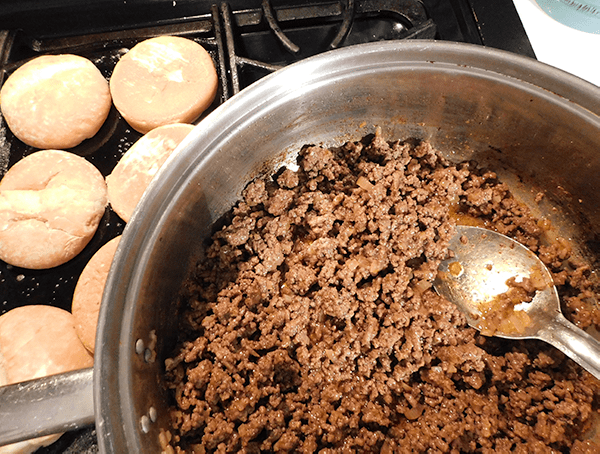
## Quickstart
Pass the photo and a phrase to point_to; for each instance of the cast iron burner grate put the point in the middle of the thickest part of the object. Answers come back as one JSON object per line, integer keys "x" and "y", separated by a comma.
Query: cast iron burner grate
{"x": 259, "y": 42}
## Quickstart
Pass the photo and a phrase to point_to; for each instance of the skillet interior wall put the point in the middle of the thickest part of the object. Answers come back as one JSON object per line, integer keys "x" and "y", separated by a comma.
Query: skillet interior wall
{"x": 424, "y": 93}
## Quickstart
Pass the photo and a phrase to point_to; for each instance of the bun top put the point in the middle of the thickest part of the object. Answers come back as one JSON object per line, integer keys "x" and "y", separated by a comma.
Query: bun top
{"x": 51, "y": 203}
{"x": 134, "y": 171}
{"x": 87, "y": 296}
{"x": 163, "y": 80}
{"x": 37, "y": 341}
{"x": 55, "y": 101}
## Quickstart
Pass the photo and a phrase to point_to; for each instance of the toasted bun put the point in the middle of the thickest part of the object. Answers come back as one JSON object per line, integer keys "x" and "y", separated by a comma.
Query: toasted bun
{"x": 88, "y": 293}
{"x": 134, "y": 171}
{"x": 55, "y": 101}
{"x": 163, "y": 80}
{"x": 29, "y": 446}
{"x": 36, "y": 341}
{"x": 51, "y": 203}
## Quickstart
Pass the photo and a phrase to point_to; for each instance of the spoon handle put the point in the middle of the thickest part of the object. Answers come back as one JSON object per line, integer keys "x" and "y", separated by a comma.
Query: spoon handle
{"x": 573, "y": 342}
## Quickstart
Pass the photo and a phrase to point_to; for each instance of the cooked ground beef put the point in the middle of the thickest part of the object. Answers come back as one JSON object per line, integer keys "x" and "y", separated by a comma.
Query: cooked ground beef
{"x": 311, "y": 324}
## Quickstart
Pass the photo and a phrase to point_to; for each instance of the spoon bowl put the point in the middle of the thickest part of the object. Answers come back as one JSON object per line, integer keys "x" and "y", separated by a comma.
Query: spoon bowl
{"x": 481, "y": 275}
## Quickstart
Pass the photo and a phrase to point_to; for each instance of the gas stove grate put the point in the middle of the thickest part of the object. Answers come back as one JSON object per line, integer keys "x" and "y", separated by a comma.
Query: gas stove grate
{"x": 293, "y": 33}
{"x": 247, "y": 44}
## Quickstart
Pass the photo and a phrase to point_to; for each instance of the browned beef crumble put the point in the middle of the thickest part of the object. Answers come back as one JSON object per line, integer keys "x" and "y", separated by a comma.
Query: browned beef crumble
{"x": 312, "y": 326}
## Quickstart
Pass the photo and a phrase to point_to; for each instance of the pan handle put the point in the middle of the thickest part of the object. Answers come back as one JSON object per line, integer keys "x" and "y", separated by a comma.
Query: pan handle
{"x": 44, "y": 406}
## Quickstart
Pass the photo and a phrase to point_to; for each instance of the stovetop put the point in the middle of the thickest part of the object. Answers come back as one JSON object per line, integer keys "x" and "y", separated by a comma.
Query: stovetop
{"x": 255, "y": 37}
{"x": 247, "y": 39}
{"x": 495, "y": 22}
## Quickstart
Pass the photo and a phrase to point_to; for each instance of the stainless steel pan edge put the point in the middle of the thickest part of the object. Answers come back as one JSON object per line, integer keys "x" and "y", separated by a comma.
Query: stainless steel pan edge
{"x": 471, "y": 102}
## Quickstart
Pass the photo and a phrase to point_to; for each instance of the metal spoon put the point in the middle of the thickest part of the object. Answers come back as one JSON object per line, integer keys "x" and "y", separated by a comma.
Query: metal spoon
{"x": 483, "y": 261}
